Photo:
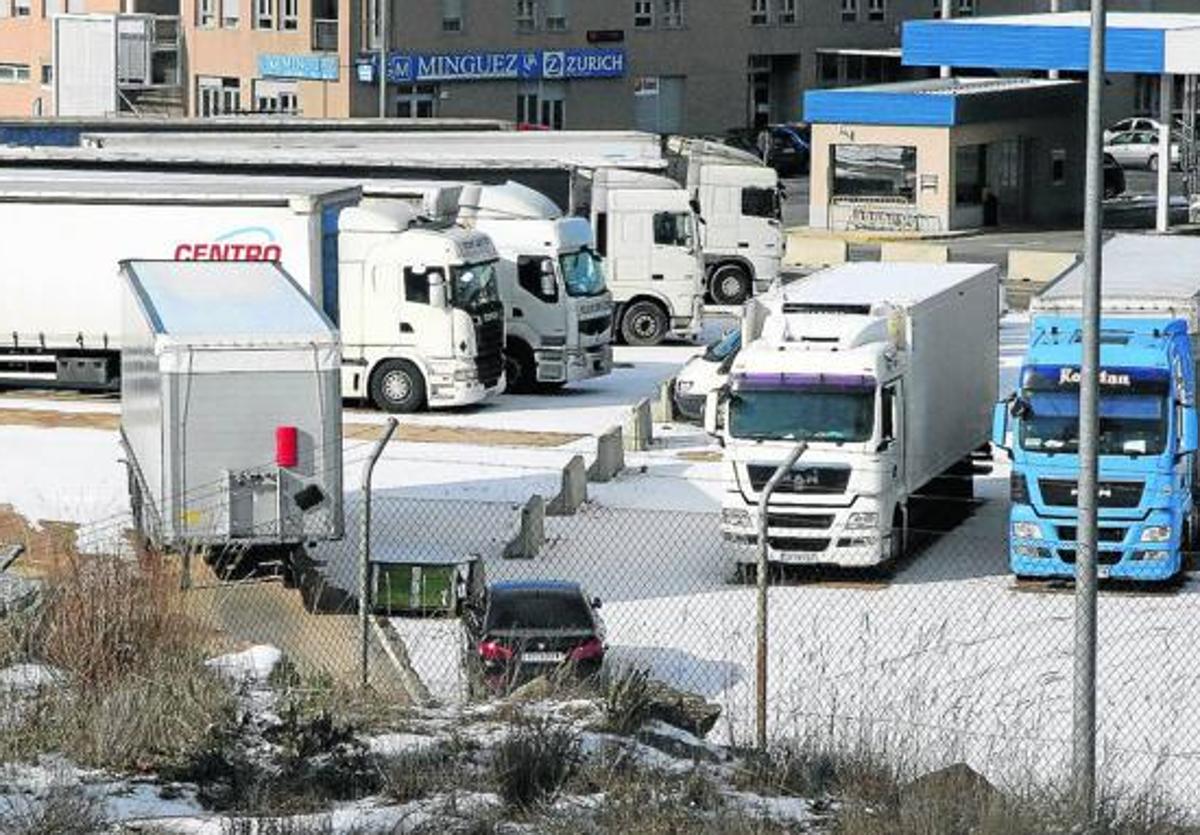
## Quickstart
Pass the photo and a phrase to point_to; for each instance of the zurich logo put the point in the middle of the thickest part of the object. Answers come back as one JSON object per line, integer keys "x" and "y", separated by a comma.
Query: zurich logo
{"x": 552, "y": 64}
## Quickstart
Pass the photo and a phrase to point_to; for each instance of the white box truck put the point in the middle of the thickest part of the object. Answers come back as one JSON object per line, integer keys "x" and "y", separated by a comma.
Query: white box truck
{"x": 61, "y": 311}
{"x": 888, "y": 372}
{"x": 230, "y": 416}
{"x": 737, "y": 201}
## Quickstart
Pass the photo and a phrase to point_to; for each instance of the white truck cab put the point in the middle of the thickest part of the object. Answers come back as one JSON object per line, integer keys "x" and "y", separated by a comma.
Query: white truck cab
{"x": 558, "y": 310}
{"x": 646, "y": 232}
{"x": 422, "y": 322}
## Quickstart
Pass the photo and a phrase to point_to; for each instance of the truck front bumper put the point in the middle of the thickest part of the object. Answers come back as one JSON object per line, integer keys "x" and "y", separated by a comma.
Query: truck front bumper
{"x": 1122, "y": 553}
{"x": 559, "y": 365}
{"x": 689, "y": 326}
{"x": 457, "y": 384}
{"x": 813, "y": 535}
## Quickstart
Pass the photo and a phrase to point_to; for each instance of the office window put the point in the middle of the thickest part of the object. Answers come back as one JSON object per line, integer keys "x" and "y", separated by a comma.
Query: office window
{"x": 14, "y": 73}
{"x": 849, "y": 11}
{"x": 47, "y": 74}
{"x": 416, "y": 101}
{"x": 970, "y": 174}
{"x": 289, "y": 15}
{"x": 966, "y": 8}
{"x": 643, "y": 14}
{"x": 1058, "y": 166}
{"x": 231, "y": 13}
{"x": 760, "y": 14}
{"x": 527, "y": 108}
{"x": 452, "y": 15}
{"x": 556, "y": 15}
{"x": 264, "y": 14}
{"x": 787, "y": 13}
{"x": 22, "y": 8}
{"x": 526, "y": 15}
{"x": 216, "y": 95}
{"x": 876, "y": 9}
{"x": 672, "y": 14}
{"x": 206, "y": 13}
{"x": 875, "y": 171}
{"x": 271, "y": 96}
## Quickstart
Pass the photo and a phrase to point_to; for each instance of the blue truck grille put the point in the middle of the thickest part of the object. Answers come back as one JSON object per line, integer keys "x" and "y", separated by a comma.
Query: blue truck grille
{"x": 1061, "y": 492}
{"x": 1069, "y": 533}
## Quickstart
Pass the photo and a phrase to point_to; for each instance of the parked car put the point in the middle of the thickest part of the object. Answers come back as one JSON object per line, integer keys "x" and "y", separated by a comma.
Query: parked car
{"x": 790, "y": 150}
{"x": 516, "y": 631}
{"x": 704, "y": 373}
{"x": 1114, "y": 177}
{"x": 1133, "y": 123}
{"x": 1139, "y": 149}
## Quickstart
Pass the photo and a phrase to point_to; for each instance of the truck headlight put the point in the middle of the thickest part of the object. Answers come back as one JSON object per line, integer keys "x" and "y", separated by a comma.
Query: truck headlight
{"x": 865, "y": 519}
{"x": 1026, "y": 530}
{"x": 1156, "y": 533}
{"x": 735, "y": 517}
{"x": 465, "y": 375}
{"x": 683, "y": 386}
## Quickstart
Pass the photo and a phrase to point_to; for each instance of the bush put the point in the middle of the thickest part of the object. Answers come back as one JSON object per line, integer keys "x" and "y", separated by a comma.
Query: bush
{"x": 628, "y": 701}
{"x": 533, "y": 763}
{"x": 64, "y": 810}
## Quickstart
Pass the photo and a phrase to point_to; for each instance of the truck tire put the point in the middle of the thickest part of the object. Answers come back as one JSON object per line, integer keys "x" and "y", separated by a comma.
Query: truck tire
{"x": 397, "y": 386}
{"x": 1152, "y": 163}
{"x": 520, "y": 368}
{"x": 730, "y": 284}
{"x": 644, "y": 323}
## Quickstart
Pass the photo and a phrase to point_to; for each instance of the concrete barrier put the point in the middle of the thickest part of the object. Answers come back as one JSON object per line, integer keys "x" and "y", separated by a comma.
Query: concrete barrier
{"x": 914, "y": 251}
{"x": 639, "y": 427}
{"x": 532, "y": 534}
{"x": 812, "y": 251}
{"x": 574, "y": 489}
{"x": 610, "y": 456}
{"x": 1029, "y": 270}
{"x": 662, "y": 410}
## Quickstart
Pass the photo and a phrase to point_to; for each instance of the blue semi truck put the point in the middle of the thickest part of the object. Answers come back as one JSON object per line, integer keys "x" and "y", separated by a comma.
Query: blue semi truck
{"x": 1150, "y": 318}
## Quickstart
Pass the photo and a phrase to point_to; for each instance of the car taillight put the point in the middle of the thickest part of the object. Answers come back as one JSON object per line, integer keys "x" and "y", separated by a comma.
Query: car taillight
{"x": 1018, "y": 489}
{"x": 587, "y": 651}
{"x": 492, "y": 651}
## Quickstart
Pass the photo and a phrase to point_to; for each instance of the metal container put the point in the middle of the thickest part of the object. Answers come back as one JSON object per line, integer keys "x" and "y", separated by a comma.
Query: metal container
{"x": 231, "y": 409}
{"x": 423, "y": 581}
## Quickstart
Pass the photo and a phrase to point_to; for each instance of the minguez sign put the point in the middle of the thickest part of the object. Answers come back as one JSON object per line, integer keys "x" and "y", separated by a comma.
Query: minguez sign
{"x": 498, "y": 65}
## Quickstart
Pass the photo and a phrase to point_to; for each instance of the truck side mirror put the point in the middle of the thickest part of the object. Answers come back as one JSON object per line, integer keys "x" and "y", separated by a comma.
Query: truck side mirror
{"x": 1000, "y": 426}
{"x": 549, "y": 287}
{"x": 437, "y": 288}
{"x": 1189, "y": 439}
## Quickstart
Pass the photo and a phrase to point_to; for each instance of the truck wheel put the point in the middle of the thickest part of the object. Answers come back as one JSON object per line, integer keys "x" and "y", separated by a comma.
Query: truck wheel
{"x": 644, "y": 323}
{"x": 1152, "y": 163}
{"x": 898, "y": 545}
{"x": 520, "y": 368}
{"x": 397, "y": 386}
{"x": 730, "y": 284}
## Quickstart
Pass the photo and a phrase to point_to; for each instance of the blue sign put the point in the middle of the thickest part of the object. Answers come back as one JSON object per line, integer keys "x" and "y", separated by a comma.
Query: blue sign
{"x": 501, "y": 65}
{"x": 309, "y": 67}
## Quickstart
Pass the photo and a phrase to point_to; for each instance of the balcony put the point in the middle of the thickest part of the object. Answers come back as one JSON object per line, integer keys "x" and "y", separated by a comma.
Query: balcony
{"x": 325, "y": 35}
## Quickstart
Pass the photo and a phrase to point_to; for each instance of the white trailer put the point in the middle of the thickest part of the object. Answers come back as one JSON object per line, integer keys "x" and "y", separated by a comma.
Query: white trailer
{"x": 888, "y": 373}
{"x": 230, "y": 414}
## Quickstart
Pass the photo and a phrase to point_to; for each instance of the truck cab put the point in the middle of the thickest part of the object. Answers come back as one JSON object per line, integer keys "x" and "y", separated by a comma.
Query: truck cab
{"x": 1147, "y": 448}
{"x": 646, "y": 232}
{"x": 558, "y": 310}
{"x": 421, "y": 317}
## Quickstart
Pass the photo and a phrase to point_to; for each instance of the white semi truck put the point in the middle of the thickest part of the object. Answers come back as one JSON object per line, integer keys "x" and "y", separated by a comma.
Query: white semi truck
{"x": 418, "y": 306}
{"x": 888, "y": 372}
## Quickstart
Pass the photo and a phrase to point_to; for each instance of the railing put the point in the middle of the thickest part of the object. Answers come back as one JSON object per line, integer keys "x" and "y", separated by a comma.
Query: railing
{"x": 325, "y": 35}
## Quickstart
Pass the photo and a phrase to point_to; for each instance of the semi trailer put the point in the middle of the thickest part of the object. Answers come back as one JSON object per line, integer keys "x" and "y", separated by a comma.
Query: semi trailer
{"x": 887, "y": 372}
{"x": 1150, "y": 318}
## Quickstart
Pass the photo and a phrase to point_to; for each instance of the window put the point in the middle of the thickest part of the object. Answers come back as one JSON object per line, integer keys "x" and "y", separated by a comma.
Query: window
{"x": 264, "y": 14}
{"x": 542, "y": 104}
{"x": 787, "y": 13}
{"x": 47, "y": 74}
{"x": 289, "y": 15}
{"x": 672, "y": 229}
{"x": 760, "y": 14}
{"x": 206, "y": 13}
{"x": 672, "y": 14}
{"x": 416, "y": 101}
{"x": 527, "y": 108}
{"x": 760, "y": 202}
{"x": 875, "y": 171}
{"x": 530, "y": 269}
{"x": 970, "y": 173}
{"x": 231, "y": 13}
{"x": 51, "y": 7}
{"x": 966, "y": 8}
{"x": 643, "y": 14}
{"x": 556, "y": 15}
{"x": 849, "y": 11}
{"x": 14, "y": 73}
{"x": 452, "y": 16}
{"x": 526, "y": 15}
{"x": 827, "y": 67}
{"x": 602, "y": 234}
{"x": 271, "y": 96}
{"x": 887, "y": 414}
{"x": 1058, "y": 166}
{"x": 374, "y": 31}
{"x": 416, "y": 285}
{"x": 215, "y": 96}
{"x": 21, "y": 8}
{"x": 876, "y": 9}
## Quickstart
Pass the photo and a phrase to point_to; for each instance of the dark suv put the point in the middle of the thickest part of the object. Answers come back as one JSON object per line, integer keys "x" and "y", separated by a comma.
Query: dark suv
{"x": 518, "y": 631}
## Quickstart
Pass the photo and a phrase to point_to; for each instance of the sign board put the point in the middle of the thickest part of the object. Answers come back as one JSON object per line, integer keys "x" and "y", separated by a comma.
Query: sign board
{"x": 308, "y": 67}
{"x": 521, "y": 65}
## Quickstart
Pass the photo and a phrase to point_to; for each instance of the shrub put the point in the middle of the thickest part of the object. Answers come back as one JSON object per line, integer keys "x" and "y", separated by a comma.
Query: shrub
{"x": 64, "y": 810}
{"x": 533, "y": 763}
{"x": 628, "y": 701}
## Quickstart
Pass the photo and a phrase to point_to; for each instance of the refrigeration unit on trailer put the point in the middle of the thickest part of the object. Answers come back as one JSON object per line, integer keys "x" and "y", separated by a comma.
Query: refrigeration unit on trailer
{"x": 1150, "y": 318}
{"x": 888, "y": 373}
{"x": 737, "y": 200}
{"x": 231, "y": 419}
{"x": 558, "y": 312}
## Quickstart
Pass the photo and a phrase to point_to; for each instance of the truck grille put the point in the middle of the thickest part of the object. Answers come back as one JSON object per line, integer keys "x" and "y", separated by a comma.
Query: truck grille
{"x": 1102, "y": 557}
{"x": 811, "y": 480}
{"x": 818, "y": 522}
{"x": 1069, "y": 534}
{"x": 489, "y": 339}
{"x": 1062, "y": 492}
{"x": 808, "y": 546}
{"x": 595, "y": 327}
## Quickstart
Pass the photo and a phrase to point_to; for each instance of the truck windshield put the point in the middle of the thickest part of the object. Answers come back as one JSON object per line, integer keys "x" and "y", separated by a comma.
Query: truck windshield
{"x": 839, "y": 415}
{"x": 472, "y": 286}
{"x": 1130, "y": 424}
{"x": 583, "y": 273}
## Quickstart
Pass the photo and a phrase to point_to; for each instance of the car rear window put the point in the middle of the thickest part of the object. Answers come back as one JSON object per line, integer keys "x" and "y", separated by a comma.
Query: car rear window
{"x": 538, "y": 610}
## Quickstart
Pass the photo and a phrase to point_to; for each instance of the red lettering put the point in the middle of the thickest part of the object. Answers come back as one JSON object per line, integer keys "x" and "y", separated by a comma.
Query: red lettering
{"x": 228, "y": 252}
{"x": 253, "y": 252}
{"x": 200, "y": 251}
{"x": 272, "y": 252}
{"x": 183, "y": 252}
{"x": 233, "y": 252}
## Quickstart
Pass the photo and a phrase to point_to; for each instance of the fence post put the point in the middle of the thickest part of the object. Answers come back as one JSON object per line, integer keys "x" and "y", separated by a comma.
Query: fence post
{"x": 760, "y": 667}
{"x": 364, "y": 564}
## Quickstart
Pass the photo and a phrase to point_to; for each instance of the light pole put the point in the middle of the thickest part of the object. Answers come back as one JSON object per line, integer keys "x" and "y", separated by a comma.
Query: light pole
{"x": 383, "y": 46}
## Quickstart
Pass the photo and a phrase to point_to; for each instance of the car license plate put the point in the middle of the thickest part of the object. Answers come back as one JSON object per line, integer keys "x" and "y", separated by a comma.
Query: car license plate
{"x": 544, "y": 657}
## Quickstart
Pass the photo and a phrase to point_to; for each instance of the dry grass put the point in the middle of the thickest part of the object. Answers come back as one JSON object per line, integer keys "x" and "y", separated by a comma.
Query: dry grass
{"x": 63, "y": 810}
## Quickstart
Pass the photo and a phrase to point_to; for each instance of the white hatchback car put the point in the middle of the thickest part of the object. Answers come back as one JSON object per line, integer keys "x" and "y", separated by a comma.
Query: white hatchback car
{"x": 704, "y": 373}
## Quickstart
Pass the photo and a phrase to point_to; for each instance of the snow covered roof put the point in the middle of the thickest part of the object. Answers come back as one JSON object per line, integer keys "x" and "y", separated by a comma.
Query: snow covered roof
{"x": 870, "y": 283}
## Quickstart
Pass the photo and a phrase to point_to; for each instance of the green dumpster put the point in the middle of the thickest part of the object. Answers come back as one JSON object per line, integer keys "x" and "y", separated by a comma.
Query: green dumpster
{"x": 421, "y": 582}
